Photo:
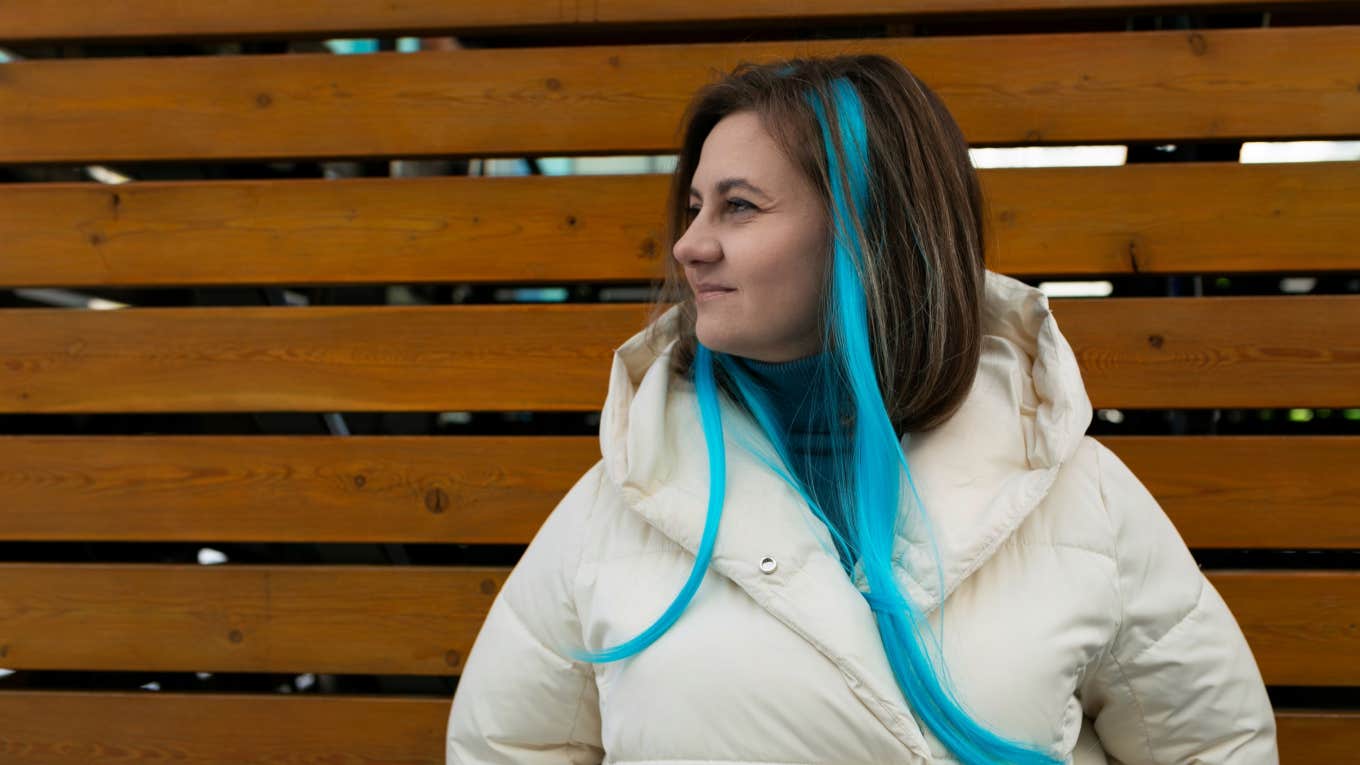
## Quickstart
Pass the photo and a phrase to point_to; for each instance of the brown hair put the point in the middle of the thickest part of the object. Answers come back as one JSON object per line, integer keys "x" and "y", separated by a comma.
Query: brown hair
{"x": 922, "y": 234}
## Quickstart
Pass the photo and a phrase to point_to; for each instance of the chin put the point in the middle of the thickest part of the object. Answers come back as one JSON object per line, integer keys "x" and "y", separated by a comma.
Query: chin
{"x": 718, "y": 342}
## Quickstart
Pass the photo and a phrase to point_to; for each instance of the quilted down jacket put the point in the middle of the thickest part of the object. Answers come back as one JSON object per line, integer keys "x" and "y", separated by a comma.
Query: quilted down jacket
{"x": 1071, "y": 612}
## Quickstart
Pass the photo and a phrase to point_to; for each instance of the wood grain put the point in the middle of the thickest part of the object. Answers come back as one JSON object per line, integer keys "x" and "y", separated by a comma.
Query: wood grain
{"x": 401, "y": 620}
{"x": 1017, "y": 89}
{"x": 479, "y": 357}
{"x": 1221, "y": 492}
{"x": 149, "y": 19}
{"x": 422, "y": 620}
{"x": 1303, "y": 626}
{"x": 1216, "y": 352}
{"x": 1133, "y": 352}
{"x": 464, "y": 490}
{"x": 111, "y": 728}
{"x": 1214, "y": 217}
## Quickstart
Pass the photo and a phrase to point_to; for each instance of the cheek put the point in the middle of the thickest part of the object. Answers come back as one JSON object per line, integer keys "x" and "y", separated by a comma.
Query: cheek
{"x": 801, "y": 272}
{"x": 788, "y": 293}
{"x": 790, "y": 263}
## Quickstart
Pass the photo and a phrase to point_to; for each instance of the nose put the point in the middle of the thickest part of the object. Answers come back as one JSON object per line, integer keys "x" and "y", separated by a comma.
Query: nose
{"x": 696, "y": 246}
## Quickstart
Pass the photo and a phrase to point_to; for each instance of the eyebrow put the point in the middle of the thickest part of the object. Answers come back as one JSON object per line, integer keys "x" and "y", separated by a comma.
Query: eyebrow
{"x": 727, "y": 184}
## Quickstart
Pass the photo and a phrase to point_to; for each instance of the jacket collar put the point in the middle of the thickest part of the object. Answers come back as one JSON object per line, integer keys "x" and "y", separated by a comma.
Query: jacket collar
{"x": 979, "y": 475}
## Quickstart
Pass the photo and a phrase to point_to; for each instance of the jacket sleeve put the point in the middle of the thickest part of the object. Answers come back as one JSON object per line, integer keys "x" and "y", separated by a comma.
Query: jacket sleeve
{"x": 1178, "y": 682}
{"x": 519, "y": 699}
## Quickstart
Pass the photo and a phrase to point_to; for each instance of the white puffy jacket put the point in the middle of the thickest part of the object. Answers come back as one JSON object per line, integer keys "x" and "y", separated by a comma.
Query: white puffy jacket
{"x": 1074, "y": 617}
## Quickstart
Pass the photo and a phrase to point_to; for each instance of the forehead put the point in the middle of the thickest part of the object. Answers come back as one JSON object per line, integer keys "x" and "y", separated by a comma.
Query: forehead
{"x": 739, "y": 146}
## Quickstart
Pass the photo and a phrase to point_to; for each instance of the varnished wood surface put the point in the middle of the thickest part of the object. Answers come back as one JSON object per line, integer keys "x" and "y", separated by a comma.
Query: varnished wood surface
{"x": 149, "y": 19}
{"x": 123, "y": 728}
{"x": 423, "y": 619}
{"x": 1221, "y": 492}
{"x": 1133, "y": 353}
{"x": 1214, "y": 217}
{"x": 1017, "y": 89}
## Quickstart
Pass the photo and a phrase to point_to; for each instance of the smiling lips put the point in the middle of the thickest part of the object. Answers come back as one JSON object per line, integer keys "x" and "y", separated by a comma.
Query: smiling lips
{"x": 707, "y": 290}
{"x": 709, "y": 293}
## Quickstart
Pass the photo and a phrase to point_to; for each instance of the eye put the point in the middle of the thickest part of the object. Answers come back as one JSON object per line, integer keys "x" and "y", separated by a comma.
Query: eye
{"x": 736, "y": 203}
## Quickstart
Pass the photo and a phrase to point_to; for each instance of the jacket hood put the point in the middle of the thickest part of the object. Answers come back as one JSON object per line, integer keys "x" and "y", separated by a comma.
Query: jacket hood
{"x": 978, "y": 475}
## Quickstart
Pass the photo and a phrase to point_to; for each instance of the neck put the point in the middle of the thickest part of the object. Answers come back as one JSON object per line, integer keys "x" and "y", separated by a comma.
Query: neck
{"x": 789, "y": 385}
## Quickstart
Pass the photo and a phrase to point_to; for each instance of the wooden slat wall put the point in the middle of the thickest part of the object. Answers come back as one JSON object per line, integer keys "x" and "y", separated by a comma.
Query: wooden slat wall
{"x": 1224, "y": 493}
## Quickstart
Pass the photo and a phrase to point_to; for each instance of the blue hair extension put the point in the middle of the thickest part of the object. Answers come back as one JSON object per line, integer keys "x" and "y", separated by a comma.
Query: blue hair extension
{"x": 717, "y": 466}
{"x": 874, "y": 491}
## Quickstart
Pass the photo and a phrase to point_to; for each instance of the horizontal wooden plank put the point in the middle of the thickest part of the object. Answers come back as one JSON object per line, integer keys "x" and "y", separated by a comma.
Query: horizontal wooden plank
{"x": 407, "y": 620}
{"x": 448, "y": 229}
{"x": 312, "y": 359}
{"x": 1221, "y": 492}
{"x": 1218, "y": 217}
{"x": 1133, "y": 352}
{"x": 1302, "y": 626}
{"x": 467, "y": 490}
{"x": 1216, "y": 352}
{"x": 1252, "y": 491}
{"x": 101, "y": 728}
{"x": 1211, "y": 217}
{"x": 1319, "y": 736}
{"x": 110, "y": 728}
{"x": 1002, "y": 89}
{"x": 148, "y": 19}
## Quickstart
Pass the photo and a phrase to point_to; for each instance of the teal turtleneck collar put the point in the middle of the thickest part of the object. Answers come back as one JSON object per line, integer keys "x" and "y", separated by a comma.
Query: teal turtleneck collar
{"x": 809, "y": 432}
{"x": 789, "y": 384}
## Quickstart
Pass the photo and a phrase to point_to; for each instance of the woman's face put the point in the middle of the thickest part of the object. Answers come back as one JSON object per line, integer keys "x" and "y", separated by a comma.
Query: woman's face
{"x": 758, "y": 234}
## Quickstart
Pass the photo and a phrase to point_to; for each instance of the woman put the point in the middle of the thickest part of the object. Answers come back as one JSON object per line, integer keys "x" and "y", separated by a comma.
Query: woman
{"x": 846, "y": 511}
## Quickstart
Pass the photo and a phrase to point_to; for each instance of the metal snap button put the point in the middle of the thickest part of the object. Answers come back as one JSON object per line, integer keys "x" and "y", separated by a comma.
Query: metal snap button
{"x": 768, "y": 564}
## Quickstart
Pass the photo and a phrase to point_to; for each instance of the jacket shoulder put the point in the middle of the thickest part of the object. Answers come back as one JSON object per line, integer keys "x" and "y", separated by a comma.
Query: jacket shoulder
{"x": 1177, "y": 682}
{"x": 1072, "y": 513}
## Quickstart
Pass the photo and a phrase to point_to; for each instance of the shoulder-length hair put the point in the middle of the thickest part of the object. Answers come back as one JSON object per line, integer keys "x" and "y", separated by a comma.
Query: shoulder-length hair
{"x": 923, "y": 234}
